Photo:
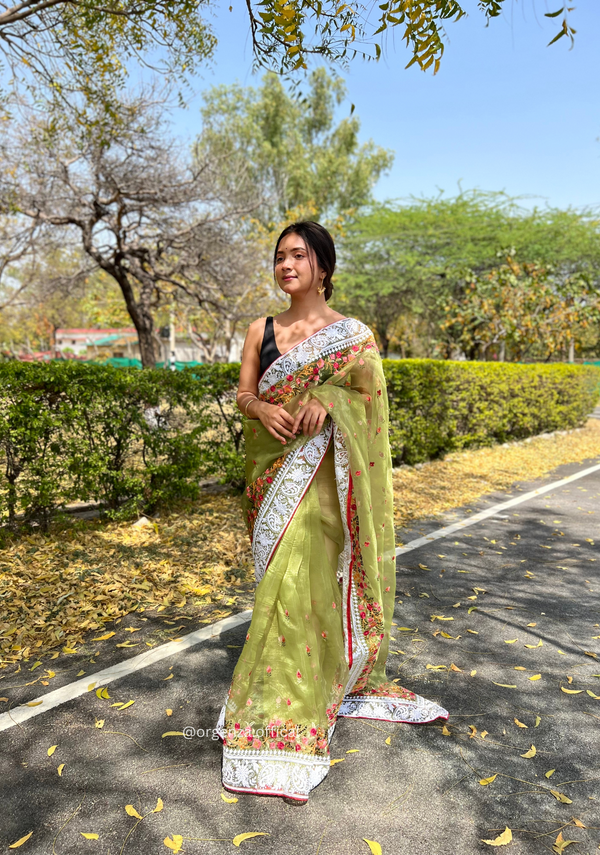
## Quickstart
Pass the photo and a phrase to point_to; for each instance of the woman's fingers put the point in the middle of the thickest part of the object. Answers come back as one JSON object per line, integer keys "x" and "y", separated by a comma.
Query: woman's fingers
{"x": 285, "y": 430}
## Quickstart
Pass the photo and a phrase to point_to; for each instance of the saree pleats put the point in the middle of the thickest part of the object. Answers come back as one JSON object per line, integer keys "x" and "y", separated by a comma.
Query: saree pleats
{"x": 320, "y": 517}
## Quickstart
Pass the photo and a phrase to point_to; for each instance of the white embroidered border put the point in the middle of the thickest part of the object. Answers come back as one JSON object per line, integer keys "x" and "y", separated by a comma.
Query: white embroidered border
{"x": 418, "y": 711}
{"x": 289, "y": 775}
{"x": 339, "y": 334}
{"x": 284, "y": 496}
{"x": 360, "y": 651}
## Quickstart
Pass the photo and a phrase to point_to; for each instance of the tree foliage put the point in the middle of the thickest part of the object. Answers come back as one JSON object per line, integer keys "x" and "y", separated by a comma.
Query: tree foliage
{"x": 139, "y": 209}
{"x": 292, "y": 146}
{"x": 520, "y": 311}
{"x": 85, "y": 46}
{"x": 401, "y": 263}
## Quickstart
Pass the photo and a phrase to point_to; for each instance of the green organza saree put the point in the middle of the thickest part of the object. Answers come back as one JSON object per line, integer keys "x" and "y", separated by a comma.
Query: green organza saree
{"x": 320, "y": 516}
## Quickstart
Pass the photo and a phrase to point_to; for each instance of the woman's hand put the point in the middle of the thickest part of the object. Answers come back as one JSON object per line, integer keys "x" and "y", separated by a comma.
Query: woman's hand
{"x": 311, "y": 417}
{"x": 276, "y": 420}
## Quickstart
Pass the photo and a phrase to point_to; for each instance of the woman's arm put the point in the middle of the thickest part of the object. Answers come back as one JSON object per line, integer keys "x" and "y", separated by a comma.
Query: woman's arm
{"x": 276, "y": 420}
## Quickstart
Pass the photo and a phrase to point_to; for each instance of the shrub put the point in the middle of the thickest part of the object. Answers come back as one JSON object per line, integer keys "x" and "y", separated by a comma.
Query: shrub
{"x": 134, "y": 440}
{"x": 440, "y": 406}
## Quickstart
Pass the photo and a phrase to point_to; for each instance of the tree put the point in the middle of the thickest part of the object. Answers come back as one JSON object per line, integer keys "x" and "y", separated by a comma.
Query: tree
{"x": 520, "y": 310}
{"x": 147, "y": 216}
{"x": 66, "y": 48}
{"x": 292, "y": 147}
{"x": 84, "y": 46}
{"x": 417, "y": 254}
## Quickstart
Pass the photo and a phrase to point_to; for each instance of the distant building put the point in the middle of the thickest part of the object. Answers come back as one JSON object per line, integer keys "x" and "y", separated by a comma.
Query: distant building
{"x": 79, "y": 340}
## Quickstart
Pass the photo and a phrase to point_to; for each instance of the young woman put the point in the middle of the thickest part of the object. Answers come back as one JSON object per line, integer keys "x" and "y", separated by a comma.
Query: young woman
{"x": 319, "y": 506}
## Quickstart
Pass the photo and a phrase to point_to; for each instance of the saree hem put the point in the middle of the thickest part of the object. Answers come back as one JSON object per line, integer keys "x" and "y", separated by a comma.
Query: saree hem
{"x": 419, "y": 711}
{"x": 291, "y": 776}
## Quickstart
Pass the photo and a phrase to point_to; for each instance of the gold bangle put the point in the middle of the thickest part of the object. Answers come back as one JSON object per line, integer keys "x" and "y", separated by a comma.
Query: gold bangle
{"x": 248, "y": 404}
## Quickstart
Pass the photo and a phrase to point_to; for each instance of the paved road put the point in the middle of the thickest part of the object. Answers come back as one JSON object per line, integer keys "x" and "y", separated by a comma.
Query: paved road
{"x": 539, "y": 566}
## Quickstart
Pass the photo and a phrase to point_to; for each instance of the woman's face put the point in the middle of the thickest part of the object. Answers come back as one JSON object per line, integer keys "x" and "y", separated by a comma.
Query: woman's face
{"x": 293, "y": 266}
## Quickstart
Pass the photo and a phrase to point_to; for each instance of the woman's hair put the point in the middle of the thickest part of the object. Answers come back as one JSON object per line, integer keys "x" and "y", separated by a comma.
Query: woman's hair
{"x": 320, "y": 241}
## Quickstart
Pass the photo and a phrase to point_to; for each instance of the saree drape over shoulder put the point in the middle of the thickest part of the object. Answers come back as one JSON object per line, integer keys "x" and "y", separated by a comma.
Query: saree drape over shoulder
{"x": 320, "y": 516}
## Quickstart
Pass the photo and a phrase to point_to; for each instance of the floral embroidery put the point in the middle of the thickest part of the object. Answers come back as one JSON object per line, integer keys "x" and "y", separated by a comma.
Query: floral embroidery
{"x": 314, "y": 372}
{"x": 257, "y": 489}
{"x": 280, "y": 735}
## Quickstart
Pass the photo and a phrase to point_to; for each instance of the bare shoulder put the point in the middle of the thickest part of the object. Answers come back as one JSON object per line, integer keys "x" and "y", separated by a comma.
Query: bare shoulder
{"x": 256, "y": 331}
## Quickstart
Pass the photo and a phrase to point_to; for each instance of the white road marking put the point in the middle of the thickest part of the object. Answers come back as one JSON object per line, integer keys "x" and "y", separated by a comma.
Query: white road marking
{"x": 136, "y": 663}
{"x": 121, "y": 669}
{"x": 490, "y": 512}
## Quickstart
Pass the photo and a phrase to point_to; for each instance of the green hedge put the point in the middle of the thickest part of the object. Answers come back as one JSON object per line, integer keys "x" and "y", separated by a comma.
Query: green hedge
{"x": 71, "y": 432}
{"x": 440, "y": 406}
{"x": 80, "y": 432}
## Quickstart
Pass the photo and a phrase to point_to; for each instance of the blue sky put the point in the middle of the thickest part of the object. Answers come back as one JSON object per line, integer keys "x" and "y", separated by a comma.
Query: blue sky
{"x": 504, "y": 112}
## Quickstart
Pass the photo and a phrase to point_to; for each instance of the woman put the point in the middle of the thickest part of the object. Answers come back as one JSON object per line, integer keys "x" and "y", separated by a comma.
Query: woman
{"x": 319, "y": 506}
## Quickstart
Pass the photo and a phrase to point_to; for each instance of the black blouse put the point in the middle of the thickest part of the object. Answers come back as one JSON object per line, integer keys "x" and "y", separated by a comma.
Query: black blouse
{"x": 269, "y": 351}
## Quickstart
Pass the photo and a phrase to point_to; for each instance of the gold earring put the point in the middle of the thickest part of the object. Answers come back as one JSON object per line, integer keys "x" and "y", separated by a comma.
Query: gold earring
{"x": 321, "y": 288}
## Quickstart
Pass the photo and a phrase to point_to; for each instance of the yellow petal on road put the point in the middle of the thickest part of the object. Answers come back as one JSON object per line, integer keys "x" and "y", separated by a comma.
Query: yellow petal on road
{"x": 128, "y": 704}
{"x": 550, "y": 772}
{"x": 537, "y": 721}
{"x": 560, "y": 797}
{"x": 169, "y": 712}
{"x": 536, "y": 677}
{"x": 227, "y": 800}
{"x": 571, "y": 691}
{"x": 352, "y": 750}
{"x": 485, "y": 781}
{"x": 91, "y": 686}
{"x": 337, "y": 760}
{"x": 519, "y": 723}
{"x": 21, "y": 841}
{"x": 169, "y": 677}
{"x": 131, "y": 811}
{"x": 373, "y": 846}
{"x": 530, "y": 753}
{"x": 445, "y": 731}
{"x": 51, "y": 750}
{"x": 592, "y": 695}
{"x": 502, "y": 840}
{"x": 89, "y": 836}
{"x": 104, "y": 637}
{"x": 100, "y": 723}
{"x": 60, "y": 768}
{"x": 34, "y": 704}
{"x": 172, "y": 733}
{"x": 504, "y": 685}
{"x": 239, "y": 838}
{"x": 159, "y": 806}
{"x": 174, "y": 843}
{"x": 533, "y": 646}
{"x": 510, "y": 640}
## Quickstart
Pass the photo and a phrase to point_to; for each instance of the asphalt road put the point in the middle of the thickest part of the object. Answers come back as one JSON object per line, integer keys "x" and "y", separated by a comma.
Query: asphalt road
{"x": 538, "y": 566}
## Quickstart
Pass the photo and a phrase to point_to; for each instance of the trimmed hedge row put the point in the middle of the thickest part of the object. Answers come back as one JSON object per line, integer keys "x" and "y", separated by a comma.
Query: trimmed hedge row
{"x": 134, "y": 440}
{"x": 130, "y": 439}
{"x": 441, "y": 406}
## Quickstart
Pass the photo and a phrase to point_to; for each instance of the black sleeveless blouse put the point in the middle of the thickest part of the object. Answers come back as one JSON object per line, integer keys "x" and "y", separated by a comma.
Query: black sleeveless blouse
{"x": 269, "y": 351}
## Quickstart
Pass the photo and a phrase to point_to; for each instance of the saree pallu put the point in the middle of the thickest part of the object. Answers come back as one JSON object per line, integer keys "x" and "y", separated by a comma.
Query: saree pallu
{"x": 320, "y": 517}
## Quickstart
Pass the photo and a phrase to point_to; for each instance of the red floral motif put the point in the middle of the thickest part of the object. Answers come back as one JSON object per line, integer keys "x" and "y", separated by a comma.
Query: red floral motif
{"x": 257, "y": 489}
{"x": 286, "y": 389}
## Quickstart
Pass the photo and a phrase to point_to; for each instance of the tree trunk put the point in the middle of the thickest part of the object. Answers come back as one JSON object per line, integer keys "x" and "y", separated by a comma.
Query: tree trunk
{"x": 139, "y": 312}
{"x": 571, "y": 350}
{"x": 502, "y": 354}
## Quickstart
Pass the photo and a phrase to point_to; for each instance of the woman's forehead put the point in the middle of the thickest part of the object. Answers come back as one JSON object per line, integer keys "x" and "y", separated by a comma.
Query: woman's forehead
{"x": 291, "y": 242}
